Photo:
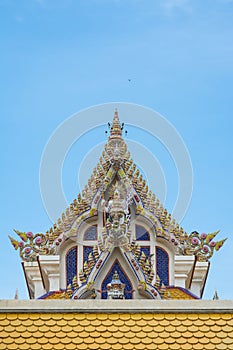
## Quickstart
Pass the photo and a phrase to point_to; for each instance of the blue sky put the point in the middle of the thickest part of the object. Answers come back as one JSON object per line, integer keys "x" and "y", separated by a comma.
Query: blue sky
{"x": 58, "y": 57}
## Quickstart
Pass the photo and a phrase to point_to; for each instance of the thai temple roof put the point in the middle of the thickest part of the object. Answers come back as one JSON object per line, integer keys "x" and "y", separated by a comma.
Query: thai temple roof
{"x": 118, "y": 192}
{"x": 116, "y": 241}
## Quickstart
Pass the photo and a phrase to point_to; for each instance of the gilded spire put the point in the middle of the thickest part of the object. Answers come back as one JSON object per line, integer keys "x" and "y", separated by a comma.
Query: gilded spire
{"x": 116, "y": 129}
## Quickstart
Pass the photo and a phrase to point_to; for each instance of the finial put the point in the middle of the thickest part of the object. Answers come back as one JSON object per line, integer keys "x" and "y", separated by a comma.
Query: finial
{"x": 116, "y": 128}
{"x": 215, "y": 297}
{"x": 16, "y": 297}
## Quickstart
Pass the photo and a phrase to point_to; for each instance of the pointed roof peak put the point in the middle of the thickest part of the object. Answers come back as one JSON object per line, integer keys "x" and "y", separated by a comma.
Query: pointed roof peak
{"x": 116, "y": 128}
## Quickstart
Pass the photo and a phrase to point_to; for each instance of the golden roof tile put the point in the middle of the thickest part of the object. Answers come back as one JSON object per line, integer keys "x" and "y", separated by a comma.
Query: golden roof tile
{"x": 102, "y": 328}
{"x": 67, "y": 340}
{"x": 119, "y": 334}
{"x": 216, "y": 340}
{"x": 204, "y": 340}
{"x": 111, "y": 340}
{"x": 163, "y": 346}
{"x": 61, "y": 322}
{"x": 106, "y": 346}
{"x": 136, "y": 340}
{"x": 170, "y": 328}
{"x": 100, "y": 340}
{"x": 176, "y": 334}
{"x": 137, "y": 329}
{"x": 19, "y": 340}
{"x": 198, "y": 346}
{"x": 165, "y": 322}
{"x": 130, "y": 322}
{"x": 61, "y": 346}
{"x": 181, "y": 340}
{"x": 182, "y": 328}
{"x": 78, "y": 340}
{"x": 142, "y": 323}
{"x": 8, "y": 340}
{"x": 200, "y": 334}
{"x": 137, "y": 316}
{"x": 123, "y": 341}
{"x": 186, "y": 346}
{"x": 228, "y": 329}
{"x": 96, "y": 334}
{"x": 164, "y": 334}
{"x": 227, "y": 316}
{"x": 221, "y": 346}
{"x": 4, "y": 322}
{"x": 9, "y": 328}
{"x": 159, "y": 328}
{"x": 31, "y": 340}
{"x": 123, "y": 332}
{"x": 49, "y": 323}
{"x": 47, "y": 346}
{"x": 113, "y": 317}
{"x": 107, "y": 334}
{"x": 174, "y": 346}
{"x": 130, "y": 334}
{"x": 220, "y": 322}
{"x": 151, "y": 346}
{"x": 12, "y": 346}
{"x": 129, "y": 346}
{"x": 180, "y": 317}
{"x": 104, "y": 316}
{"x": 117, "y": 346}
{"x": 16, "y": 322}
{"x": 125, "y": 317}
{"x": 157, "y": 339}
{"x": 228, "y": 341}
{"x": 176, "y": 322}
{"x": 43, "y": 340}
{"x": 119, "y": 322}
{"x": 92, "y": 346}
{"x": 192, "y": 340}
{"x": 78, "y": 328}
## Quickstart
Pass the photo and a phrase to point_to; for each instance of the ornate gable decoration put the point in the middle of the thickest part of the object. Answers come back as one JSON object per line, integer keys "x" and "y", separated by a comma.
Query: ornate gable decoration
{"x": 115, "y": 184}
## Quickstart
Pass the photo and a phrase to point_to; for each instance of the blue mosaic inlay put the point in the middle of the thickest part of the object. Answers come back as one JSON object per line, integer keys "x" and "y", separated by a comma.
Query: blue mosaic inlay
{"x": 128, "y": 293}
{"x": 90, "y": 234}
{"x": 142, "y": 234}
{"x": 146, "y": 251}
{"x": 162, "y": 262}
{"x": 71, "y": 265}
{"x": 86, "y": 251}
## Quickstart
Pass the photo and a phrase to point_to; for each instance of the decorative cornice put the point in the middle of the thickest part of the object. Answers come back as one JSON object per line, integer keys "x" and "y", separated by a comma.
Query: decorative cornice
{"x": 116, "y": 306}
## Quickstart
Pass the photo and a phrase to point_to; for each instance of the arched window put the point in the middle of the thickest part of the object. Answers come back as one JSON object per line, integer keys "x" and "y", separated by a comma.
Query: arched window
{"x": 90, "y": 233}
{"x": 142, "y": 234}
{"x": 71, "y": 264}
{"x": 162, "y": 265}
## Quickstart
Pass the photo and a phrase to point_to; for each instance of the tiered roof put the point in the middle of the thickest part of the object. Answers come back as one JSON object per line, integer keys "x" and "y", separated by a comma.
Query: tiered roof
{"x": 116, "y": 163}
{"x": 116, "y": 159}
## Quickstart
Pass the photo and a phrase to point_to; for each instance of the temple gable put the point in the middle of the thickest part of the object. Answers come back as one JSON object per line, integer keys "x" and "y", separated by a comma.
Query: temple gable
{"x": 116, "y": 241}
